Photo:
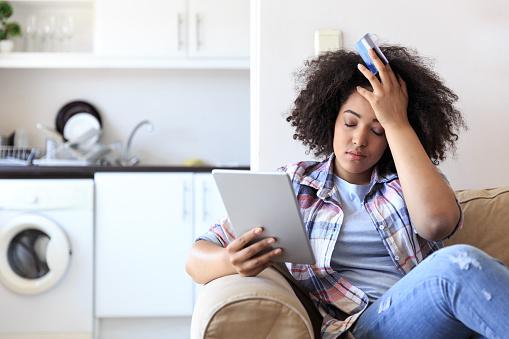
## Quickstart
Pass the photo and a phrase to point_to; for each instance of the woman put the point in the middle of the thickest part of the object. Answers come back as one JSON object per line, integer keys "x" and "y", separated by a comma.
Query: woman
{"x": 376, "y": 208}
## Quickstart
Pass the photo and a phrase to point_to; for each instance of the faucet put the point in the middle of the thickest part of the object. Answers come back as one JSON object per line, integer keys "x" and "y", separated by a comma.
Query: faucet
{"x": 126, "y": 159}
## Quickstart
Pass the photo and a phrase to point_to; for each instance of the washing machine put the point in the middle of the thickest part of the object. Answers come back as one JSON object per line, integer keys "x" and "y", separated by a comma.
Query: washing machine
{"x": 46, "y": 258}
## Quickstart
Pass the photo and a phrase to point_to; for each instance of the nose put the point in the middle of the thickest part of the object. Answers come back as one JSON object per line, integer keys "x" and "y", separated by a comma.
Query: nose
{"x": 360, "y": 137}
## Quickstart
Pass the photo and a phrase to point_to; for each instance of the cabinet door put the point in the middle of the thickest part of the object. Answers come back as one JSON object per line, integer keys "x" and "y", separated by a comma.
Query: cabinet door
{"x": 219, "y": 28}
{"x": 209, "y": 208}
{"x": 150, "y": 28}
{"x": 143, "y": 235}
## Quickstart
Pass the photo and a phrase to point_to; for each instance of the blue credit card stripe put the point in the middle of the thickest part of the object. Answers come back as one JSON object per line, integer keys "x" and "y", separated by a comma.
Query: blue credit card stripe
{"x": 363, "y": 46}
{"x": 364, "y": 55}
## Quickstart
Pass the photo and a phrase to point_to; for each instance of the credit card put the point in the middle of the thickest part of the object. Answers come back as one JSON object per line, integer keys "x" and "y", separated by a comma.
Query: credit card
{"x": 362, "y": 47}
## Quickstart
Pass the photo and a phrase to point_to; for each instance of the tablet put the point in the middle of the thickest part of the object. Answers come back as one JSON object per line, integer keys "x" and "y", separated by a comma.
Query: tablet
{"x": 266, "y": 199}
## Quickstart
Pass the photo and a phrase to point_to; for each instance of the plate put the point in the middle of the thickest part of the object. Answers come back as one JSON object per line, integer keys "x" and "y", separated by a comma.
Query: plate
{"x": 79, "y": 124}
{"x": 76, "y": 118}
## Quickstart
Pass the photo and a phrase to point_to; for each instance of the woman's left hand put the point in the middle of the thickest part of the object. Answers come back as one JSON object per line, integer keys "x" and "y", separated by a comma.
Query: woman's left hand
{"x": 389, "y": 98}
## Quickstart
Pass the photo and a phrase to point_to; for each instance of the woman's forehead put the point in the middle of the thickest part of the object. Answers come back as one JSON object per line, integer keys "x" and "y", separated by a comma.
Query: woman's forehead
{"x": 357, "y": 106}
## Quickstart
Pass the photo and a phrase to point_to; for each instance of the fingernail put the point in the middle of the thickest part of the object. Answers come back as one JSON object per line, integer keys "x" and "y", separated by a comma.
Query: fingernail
{"x": 258, "y": 230}
{"x": 359, "y": 66}
{"x": 279, "y": 250}
{"x": 271, "y": 241}
{"x": 358, "y": 88}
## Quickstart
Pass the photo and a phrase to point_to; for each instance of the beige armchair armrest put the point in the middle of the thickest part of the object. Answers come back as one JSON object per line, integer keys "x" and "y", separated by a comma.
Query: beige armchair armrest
{"x": 264, "y": 306}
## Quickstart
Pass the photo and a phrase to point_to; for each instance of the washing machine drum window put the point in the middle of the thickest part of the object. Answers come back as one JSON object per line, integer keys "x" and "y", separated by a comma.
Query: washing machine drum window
{"x": 36, "y": 254}
{"x": 27, "y": 254}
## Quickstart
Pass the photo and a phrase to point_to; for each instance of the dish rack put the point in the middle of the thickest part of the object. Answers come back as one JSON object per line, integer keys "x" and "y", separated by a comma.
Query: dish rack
{"x": 17, "y": 156}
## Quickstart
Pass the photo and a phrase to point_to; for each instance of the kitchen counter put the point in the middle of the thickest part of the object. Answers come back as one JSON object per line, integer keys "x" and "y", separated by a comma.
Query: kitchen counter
{"x": 87, "y": 172}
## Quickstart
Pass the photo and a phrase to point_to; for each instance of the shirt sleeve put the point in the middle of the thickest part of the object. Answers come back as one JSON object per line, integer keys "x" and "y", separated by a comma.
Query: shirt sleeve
{"x": 210, "y": 236}
{"x": 221, "y": 234}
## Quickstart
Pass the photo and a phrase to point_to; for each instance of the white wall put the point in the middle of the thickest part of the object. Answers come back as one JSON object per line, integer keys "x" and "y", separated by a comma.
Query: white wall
{"x": 196, "y": 113}
{"x": 467, "y": 41}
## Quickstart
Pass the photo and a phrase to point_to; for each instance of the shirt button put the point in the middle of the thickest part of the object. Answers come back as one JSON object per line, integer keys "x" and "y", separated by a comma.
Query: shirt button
{"x": 381, "y": 227}
{"x": 396, "y": 258}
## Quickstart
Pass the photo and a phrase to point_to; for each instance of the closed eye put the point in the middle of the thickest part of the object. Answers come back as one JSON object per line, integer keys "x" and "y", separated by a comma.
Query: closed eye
{"x": 374, "y": 131}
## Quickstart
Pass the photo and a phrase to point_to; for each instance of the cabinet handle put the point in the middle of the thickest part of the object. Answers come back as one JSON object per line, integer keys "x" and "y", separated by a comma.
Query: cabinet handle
{"x": 198, "y": 28}
{"x": 185, "y": 211}
{"x": 180, "y": 21}
{"x": 205, "y": 213}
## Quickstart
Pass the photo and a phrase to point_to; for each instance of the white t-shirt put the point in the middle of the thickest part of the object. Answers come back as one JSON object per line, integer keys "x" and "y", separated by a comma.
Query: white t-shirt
{"x": 359, "y": 253}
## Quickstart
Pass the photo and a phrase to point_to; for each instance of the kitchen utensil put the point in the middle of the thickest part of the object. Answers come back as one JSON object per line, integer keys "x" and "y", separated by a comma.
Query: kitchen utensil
{"x": 50, "y": 133}
{"x": 91, "y": 134}
{"x": 81, "y": 116}
{"x": 72, "y": 149}
{"x": 97, "y": 153}
{"x": 51, "y": 146}
{"x": 71, "y": 152}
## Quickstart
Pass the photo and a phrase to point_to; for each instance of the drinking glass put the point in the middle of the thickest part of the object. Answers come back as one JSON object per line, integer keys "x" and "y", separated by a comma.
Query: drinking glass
{"x": 67, "y": 31}
{"x": 31, "y": 34}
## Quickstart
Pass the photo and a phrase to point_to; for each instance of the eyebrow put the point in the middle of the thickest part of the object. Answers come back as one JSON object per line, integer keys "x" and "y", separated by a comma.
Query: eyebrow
{"x": 357, "y": 114}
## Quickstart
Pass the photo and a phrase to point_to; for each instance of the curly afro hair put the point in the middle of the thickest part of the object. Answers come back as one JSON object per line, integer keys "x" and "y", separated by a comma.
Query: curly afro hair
{"x": 326, "y": 82}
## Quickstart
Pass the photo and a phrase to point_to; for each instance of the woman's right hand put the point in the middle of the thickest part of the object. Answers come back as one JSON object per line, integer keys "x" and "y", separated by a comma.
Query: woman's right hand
{"x": 247, "y": 260}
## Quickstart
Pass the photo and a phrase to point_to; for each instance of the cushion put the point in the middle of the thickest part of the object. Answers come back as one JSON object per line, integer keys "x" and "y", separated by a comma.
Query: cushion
{"x": 486, "y": 223}
{"x": 264, "y": 306}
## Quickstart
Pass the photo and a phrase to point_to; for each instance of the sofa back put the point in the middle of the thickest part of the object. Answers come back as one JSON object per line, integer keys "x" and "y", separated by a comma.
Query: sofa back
{"x": 486, "y": 221}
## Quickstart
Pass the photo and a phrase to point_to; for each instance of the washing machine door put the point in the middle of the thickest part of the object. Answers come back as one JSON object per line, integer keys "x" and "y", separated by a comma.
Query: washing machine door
{"x": 34, "y": 254}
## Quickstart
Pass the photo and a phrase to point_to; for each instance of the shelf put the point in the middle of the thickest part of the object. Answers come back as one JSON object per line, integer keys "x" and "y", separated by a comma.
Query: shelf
{"x": 91, "y": 61}
{"x": 51, "y": 1}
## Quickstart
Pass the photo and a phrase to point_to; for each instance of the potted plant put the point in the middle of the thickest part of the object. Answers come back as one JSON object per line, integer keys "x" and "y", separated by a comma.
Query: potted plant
{"x": 8, "y": 30}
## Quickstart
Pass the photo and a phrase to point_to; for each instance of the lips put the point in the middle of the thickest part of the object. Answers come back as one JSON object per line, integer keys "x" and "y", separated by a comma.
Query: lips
{"x": 355, "y": 155}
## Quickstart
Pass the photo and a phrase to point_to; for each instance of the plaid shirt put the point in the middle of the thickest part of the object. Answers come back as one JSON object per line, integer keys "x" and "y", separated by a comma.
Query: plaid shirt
{"x": 340, "y": 302}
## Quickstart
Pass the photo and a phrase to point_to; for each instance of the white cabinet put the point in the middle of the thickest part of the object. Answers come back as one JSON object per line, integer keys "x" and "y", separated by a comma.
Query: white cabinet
{"x": 175, "y": 34}
{"x": 208, "y": 205}
{"x": 145, "y": 226}
{"x": 219, "y": 28}
{"x": 163, "y": 28}
{"x": 152, "y": 28}
{"x": 143, "y": 235}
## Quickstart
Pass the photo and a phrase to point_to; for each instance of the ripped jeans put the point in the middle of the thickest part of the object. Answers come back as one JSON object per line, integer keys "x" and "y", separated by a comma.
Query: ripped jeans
{"x": 457, "y": 292}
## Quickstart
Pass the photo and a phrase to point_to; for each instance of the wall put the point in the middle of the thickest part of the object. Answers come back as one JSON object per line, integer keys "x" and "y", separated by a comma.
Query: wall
{"x": 466, "y": 41}
{"x": 197, "y": 113}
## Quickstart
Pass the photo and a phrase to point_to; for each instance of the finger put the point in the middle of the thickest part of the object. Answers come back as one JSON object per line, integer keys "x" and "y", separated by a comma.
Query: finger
{"x": 244, "y": 239}
{"x": 381, "y": 67}
{"x": 394, "y": 79}
{"x": 253, "y": 272}
{"x": 404, "y": 88}
{"x": 368, "y": 95}
{"x": 254, "y": 249}
{"x": 259, "y": 263}
{"x": 377, "y": 86}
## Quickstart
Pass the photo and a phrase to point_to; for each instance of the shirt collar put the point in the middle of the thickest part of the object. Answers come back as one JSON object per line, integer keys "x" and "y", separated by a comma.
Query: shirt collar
{"x": 321, "y": 178}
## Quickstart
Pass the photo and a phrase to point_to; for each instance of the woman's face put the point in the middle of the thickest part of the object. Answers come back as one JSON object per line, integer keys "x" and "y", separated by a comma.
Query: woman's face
{"x": 359, "y": 140}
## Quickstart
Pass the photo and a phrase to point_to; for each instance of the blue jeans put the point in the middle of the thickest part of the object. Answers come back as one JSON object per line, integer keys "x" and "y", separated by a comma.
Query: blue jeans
{"x": 457, "y": 292}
